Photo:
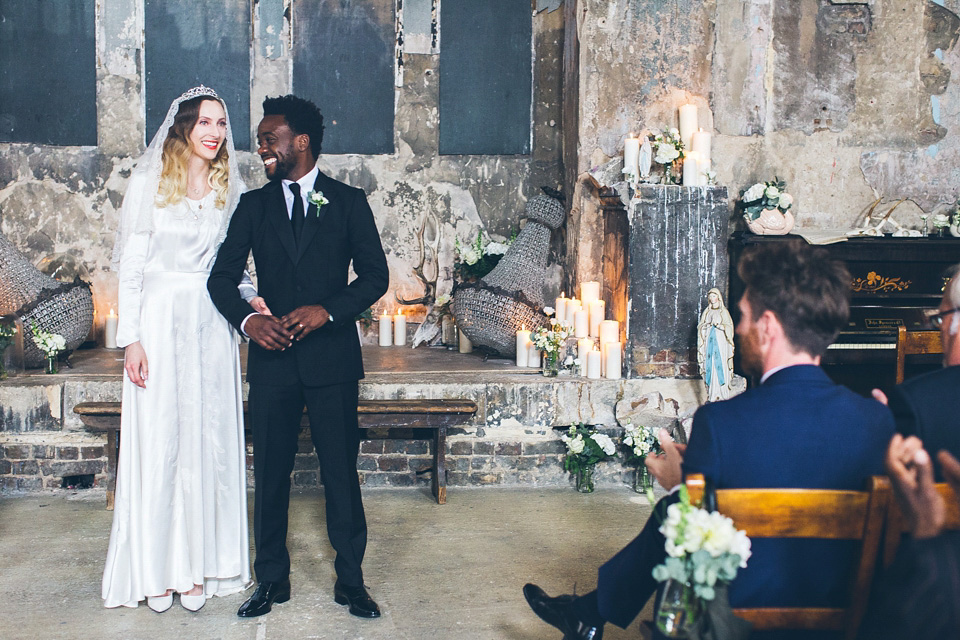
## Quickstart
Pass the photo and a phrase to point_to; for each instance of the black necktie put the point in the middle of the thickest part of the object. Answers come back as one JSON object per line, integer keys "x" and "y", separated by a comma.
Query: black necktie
{"x": 296, "y": 220}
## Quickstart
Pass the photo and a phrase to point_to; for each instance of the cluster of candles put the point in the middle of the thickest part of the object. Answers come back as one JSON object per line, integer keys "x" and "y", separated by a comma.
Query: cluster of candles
{"x": 393, "y": 329}
{"x": 696, "y": 144}
{"x": 586, "y": 317}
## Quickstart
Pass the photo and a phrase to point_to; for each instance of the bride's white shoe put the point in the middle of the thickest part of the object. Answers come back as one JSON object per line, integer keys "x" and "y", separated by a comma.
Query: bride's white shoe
{"x": 160, "y": 603}
{"x": 193, "y": 603}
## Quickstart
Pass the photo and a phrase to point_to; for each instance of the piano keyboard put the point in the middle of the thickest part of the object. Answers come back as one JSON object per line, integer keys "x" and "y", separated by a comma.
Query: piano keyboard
{"x": 863, "y": 345}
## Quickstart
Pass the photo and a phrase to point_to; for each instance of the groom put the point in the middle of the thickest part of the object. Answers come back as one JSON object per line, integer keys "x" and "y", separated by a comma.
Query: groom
{"x": 305, "y": 229}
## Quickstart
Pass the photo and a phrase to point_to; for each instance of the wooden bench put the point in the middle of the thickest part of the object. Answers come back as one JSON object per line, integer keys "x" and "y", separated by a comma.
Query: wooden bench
{"x": 389, "y": 419}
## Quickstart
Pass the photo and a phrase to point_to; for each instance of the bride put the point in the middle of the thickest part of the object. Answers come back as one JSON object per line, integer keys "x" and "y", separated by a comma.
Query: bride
{"x": 180, "y": 520}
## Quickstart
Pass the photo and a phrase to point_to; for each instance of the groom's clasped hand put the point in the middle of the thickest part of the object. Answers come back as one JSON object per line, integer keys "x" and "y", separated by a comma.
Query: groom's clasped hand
{"x": 276, "y": 334}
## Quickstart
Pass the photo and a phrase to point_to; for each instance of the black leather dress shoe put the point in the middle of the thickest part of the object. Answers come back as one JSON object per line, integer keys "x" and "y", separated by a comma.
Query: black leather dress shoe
{"x": 559, "y": 613}
{"x": 263, "y": 598}
{"x": 361, "y": 604}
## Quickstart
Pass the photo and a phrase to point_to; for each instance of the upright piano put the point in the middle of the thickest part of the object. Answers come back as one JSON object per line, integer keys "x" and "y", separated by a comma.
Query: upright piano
{"x": 893, "y": 282}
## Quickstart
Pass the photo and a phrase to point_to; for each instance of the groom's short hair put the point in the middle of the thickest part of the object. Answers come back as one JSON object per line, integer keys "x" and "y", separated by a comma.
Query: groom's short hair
{"x": 807, "y": 290}
{"x": 302, "y": 116}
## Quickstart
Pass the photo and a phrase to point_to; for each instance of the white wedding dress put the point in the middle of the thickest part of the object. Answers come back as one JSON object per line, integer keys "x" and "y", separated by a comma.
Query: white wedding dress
{"x": 181, "y": 505}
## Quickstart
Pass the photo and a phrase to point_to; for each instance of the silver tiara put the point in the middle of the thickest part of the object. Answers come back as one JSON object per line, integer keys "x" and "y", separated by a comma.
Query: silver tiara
{"x": 196, "y": 92}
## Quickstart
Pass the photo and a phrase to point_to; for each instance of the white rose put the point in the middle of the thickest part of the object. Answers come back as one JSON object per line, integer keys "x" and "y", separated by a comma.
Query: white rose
{"x": 786, "y": 201}
{"x": 548, "y": 311}
{"x": 469, "y": 255}
{"x": 576, "y": 445}
{"x": 673, "y": 131}
{"x": 772, "y": 192}
{"x": 754, "y": 193}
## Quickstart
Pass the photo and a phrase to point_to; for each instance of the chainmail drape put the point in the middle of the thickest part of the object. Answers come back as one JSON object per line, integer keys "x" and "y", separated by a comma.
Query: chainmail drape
{"x": 58, "y": 307}
{"x": 492, "y": 310}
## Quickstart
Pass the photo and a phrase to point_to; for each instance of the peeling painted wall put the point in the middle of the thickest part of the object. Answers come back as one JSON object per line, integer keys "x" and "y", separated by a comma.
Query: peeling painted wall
{"x": 848, "y": 101}
{"x": 66, "y": 199}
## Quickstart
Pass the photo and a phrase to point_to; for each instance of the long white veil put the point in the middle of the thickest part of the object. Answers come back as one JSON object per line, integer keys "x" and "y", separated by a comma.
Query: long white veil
{"x": 136, "y": 213}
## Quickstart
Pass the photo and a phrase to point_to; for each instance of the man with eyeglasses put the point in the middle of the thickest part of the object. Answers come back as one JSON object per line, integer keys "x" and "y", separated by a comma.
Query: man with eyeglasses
{"x": 925, "y": 406}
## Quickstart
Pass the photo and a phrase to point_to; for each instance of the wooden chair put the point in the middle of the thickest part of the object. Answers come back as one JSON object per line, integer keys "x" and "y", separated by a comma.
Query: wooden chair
{"x": 810, "y": 513}
{"x": 915, "y": 343}
{"x": 897, "y": 525}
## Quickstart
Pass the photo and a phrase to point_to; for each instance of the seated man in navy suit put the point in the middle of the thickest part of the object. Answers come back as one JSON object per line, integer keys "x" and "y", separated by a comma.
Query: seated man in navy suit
{"x": 918, "y": 404}
{"x": 796, "y": 429}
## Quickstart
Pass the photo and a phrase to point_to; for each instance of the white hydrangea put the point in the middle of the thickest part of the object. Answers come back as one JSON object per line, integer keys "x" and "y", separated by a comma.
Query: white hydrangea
{"x": 755, "y": 192}
{"x": 605, "y": 443}
{"x": 666, "y": 153}
{"x": 496, "y": 249}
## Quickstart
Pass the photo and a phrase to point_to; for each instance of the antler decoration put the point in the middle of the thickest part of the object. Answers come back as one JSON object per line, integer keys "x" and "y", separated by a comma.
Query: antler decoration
{"x": 430, "y": 286}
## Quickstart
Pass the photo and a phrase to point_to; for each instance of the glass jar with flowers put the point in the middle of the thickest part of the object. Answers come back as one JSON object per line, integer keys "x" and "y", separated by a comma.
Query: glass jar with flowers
{"x": 551, "y": 341}
{"x": 50, "y": 344}
{"x": 668, "y": 150}
{"x": 704, "y": 550}
{"x": 640, "y": 441}
{"x": 585, "y": 448}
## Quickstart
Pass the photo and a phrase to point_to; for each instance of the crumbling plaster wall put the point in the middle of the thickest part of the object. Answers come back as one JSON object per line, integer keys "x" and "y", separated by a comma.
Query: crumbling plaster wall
{"x": 67, "y": 199}
{"x": 847, "y": 101}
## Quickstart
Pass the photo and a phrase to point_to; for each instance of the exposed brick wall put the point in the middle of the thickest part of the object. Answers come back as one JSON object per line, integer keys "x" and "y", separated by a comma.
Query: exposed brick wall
{"x": 25, "y": 467}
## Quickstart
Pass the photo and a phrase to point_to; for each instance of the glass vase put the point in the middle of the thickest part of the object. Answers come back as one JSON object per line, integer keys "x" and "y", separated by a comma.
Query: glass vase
{"x": 585, "y": 479}
{"x": 642, "y": 480}
{"x": 551, "y": 364}
{"x": 51, "y": 364}
{"x": 678, "y": 609}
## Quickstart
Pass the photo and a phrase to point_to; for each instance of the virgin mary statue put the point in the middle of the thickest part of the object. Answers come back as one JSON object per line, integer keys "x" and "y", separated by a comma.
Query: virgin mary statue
{"x": 715, "y": 347}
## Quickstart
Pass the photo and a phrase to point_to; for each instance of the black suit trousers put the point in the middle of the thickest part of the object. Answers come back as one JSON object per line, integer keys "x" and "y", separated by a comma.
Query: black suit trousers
{"x": 276, "y": 412}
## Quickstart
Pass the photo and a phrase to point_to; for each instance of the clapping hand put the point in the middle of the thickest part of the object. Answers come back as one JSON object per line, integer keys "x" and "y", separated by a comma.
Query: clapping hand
{"x": 666, "y": 468}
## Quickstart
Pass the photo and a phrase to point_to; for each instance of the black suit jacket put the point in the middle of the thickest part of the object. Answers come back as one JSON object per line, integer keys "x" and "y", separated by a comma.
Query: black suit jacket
{"x": 341, "y": 232}
{"x": 924, "y": 407}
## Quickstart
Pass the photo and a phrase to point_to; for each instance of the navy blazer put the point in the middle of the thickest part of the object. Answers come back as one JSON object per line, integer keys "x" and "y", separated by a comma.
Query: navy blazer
{"x": 797, "y": 430}
{"x": 923, "y": 407}
{"x": 340, "y": 233}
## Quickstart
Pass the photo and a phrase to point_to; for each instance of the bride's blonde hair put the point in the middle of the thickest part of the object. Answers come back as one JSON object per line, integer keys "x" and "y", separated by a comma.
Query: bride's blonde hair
{"x": 176, "y": 153}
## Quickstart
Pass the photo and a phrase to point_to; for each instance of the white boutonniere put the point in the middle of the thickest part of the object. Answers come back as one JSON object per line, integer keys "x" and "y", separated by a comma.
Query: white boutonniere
{"x": 318, "y": 199}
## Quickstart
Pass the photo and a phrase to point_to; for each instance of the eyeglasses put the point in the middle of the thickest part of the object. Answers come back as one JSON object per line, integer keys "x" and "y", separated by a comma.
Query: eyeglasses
{"x": 936, "y": 319}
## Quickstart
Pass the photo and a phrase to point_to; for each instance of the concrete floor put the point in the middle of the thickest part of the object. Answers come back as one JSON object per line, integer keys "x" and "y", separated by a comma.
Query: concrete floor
{"x": 450, "y": 572}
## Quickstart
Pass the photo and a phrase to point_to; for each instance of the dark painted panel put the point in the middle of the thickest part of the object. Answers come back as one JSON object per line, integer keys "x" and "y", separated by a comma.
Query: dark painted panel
{"x": 48, "y": 88}
{"x": 485, "y": 77}
{"x": 343, "y": 61}
{"x": 189, "y": 43}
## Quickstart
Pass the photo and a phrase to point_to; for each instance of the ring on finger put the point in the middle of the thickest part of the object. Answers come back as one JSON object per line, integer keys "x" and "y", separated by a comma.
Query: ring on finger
{"x": 300, "y": 324}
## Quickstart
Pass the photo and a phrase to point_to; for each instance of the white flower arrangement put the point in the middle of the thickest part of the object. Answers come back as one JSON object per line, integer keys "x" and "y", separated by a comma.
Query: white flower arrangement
{"x": 640, "y": 442}
{"x": 478, "y": 258}
{"x": 765, "y": 195}
{"x": 50, "y": 343}
{"x": 667, "y": 146}
{"x": 585, "y": 447}
{"x": 317, "y": 199}
{"x": 703, "y": 548}
{"x": 551, "y": 339}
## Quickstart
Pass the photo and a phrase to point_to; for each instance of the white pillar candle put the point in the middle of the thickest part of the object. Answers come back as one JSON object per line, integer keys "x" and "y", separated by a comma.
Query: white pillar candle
{"x": 533, "y": 356}
{"x": 573, "y": 305}
{"x": 701, "y": 146}
{"x": 465, "y": 345}
{"x": 560, "y": 307}
{"x": 609, "y": 331}
{"x": 523, "y": 351}
{"x": 691, "y": 174}
{"x": 688, "y": 124}
{"x": 110, "y": 331}
{"x": 581, "y": 324}
{"x": 589, "y": 291}
{"x": 612, "y": 360}
{"x": 631, "y": 153}
{"x": 386, "y": 330}
{"x": 598, "y": 309}
{"x": 400, "y": 329}
{"x": 593, "y": 364}
{"x": 584, "y": 346}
